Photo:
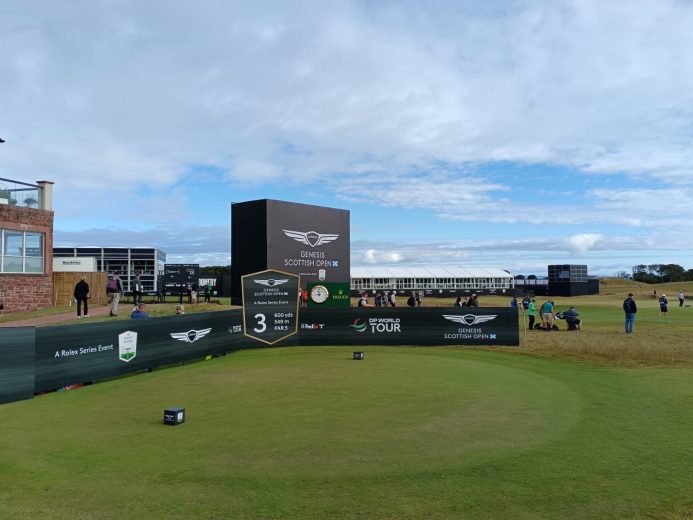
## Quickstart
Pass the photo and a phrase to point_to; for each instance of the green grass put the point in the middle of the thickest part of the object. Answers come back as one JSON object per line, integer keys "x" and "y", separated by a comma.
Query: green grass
{"x": 591, "y": 424}
{"x": 406, "y": 433}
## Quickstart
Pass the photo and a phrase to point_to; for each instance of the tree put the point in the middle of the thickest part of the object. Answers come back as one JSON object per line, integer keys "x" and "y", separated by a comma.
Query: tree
{"x": 212, "y": 271}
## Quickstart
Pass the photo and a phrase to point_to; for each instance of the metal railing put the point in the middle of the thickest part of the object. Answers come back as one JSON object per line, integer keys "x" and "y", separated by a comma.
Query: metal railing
{"x": 17, "y": 193}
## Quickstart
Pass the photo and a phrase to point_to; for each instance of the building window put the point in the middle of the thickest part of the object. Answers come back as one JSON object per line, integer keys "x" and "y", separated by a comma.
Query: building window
{"x": 21, "y": 252}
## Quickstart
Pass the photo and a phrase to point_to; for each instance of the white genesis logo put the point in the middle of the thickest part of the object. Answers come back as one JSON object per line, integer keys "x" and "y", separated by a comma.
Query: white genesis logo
{"x": 191, "y": 336}
{"x": 311, "y": 238}
{"x": 271, "y": 282}
{"x": 470, "y": 319}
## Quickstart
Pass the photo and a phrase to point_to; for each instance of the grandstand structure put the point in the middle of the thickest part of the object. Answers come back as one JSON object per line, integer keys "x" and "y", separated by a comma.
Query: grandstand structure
{"x": 433, "y": 281}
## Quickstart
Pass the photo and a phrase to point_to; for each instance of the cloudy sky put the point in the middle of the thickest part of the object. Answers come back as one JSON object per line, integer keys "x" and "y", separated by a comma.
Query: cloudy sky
{"x": 500, "y": 133}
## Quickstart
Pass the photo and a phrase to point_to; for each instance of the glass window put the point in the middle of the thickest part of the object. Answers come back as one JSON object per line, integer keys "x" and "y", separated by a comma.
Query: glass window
{"x": 21, "y": 252}
{"x": 34, "y": 244}
{"x": 34, "y": 265}
{"x": 13, "y": 243}
{"x": 12, "y": 264}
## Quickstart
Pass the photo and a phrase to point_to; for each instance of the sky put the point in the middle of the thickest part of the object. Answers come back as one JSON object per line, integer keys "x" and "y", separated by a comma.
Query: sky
{"x": 509, "y": 134}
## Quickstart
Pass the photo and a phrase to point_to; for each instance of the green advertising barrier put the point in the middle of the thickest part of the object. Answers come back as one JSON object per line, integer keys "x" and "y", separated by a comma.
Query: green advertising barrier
{"x": 36, "y": 360}
{"x": 91, "y": 351}
{"x": 16, "y": 364}
{"x": 480, "y": 326}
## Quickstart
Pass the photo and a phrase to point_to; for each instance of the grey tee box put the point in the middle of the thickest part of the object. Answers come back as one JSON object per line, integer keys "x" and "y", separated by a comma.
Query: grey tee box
{"x": 174, "y": 416}
{"x": 358, "y": 355}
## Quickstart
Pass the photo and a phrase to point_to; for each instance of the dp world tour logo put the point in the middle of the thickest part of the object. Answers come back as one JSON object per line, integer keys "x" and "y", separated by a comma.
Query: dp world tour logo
{"x": 270, "y": 282}
{"x": 377, "y": 325}
{"x": 191, "y": 336}
{"x": 359, "y": 325}
{"x": 470, "y": 319}
{"x": 127, "y": 346}
{"x": 311, "y": 238}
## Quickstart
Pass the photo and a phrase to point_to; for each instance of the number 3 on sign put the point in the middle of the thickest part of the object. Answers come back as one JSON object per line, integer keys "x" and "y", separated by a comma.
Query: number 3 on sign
{"x": 261, "y": 325}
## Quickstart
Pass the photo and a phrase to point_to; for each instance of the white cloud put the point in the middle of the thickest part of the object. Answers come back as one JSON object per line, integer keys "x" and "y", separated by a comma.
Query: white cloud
{"x": 395, "y": 104}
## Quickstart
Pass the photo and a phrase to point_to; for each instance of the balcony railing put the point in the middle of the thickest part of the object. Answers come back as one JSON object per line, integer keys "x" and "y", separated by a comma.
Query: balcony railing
{"x": 18, "y": 193}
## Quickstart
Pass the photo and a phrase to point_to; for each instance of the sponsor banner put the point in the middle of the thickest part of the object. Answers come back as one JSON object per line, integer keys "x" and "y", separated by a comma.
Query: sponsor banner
{"x": 270, "y": 305}
{"x": 310, "y": 241}
{"x": 486, "y": 326}
{"x": 92, "y": 351}
{"x": 16, "y": 364}
{"x": 327, "y": 294}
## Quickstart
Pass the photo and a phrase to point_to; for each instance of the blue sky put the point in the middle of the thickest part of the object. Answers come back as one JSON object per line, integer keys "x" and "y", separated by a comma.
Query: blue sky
{"x": 509, "y": 134}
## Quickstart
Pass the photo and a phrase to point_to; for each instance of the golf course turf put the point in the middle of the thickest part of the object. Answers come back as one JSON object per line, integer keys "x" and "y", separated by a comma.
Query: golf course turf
{"x": 408, "y": 432}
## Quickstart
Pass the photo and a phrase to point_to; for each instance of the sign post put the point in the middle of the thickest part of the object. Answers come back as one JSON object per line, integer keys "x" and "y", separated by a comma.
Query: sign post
{"x": 270, "y": 305}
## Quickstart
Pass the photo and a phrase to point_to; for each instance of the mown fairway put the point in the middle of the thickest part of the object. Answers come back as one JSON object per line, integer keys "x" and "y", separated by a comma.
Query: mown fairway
{"x": 406, "y": 433}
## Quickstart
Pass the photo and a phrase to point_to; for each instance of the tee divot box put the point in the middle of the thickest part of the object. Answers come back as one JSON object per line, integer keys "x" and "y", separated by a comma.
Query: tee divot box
{"x": 358, "y": 355}
{"x": 174, "y": 416}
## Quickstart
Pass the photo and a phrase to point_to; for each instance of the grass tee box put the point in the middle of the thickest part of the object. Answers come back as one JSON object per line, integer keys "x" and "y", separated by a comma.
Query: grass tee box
{"x": 441, "y": 433}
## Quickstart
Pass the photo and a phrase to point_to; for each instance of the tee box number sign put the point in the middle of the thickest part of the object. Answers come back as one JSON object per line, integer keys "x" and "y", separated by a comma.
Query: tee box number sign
{"x": 270, "y": 305}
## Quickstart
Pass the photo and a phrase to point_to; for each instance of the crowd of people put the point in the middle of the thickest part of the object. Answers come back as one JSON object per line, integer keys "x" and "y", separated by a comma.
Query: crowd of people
{"x": 547, "y": 312}
{"x": 115, "y": 291}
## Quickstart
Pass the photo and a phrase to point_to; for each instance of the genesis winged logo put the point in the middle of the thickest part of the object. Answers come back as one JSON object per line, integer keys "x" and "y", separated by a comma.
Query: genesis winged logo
{"x": 191, "y": 336}
{"x": 270, "y": 282}
{"x": 470, "y": 319}
{"x": 311, "y": 238}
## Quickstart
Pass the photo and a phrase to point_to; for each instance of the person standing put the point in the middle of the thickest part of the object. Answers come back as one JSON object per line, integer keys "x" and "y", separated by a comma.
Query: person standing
{"x": 81, "y": 295}
{"x": 137, "y": 290}
{"x": 682, "y": 298}
{"x": 531, "y": 312}
{"x": 114, "y": 289}
{"x": 663, "y": 305}
{"x": 630, "y": 308}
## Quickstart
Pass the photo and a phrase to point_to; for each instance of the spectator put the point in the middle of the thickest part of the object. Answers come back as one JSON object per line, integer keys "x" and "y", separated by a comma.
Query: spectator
{"x": 363, "y": 301}
{"x": 393, "y": 298}
{"x": 572, "y": 318}
{"x": 114, "y": 289}
{"x": 137, "y": 290}
{"x": 663, "y": 305}
{"x": 378, "y": 300}
{"x": 458, "y": 301}
{"x": 81, "y": 295}
{"x": 525, "y": 302}
{"x": 682, "y": 298}
{"x": 180, "y": 309}
{"x": 546, "y": 312}
{"x": 473, "y": 301}
{"x": 630, "y": 308}
{"x": 531, "y": 312}
{"x": 411, "y": 301}
{"x": 140, "y": 312}
{"x": 419, "y": 298}
{"x": 513, "y": 302}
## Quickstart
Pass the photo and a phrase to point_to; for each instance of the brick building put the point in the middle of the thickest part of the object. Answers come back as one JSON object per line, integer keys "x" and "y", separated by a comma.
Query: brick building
{"x": 26, "y": 245}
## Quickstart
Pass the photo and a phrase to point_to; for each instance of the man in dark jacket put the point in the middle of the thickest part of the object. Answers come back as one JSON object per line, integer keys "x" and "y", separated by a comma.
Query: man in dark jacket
{"x": 630, "y": 309}
{"x": 81, "y": 295}
{"x": 572, "y": 318}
